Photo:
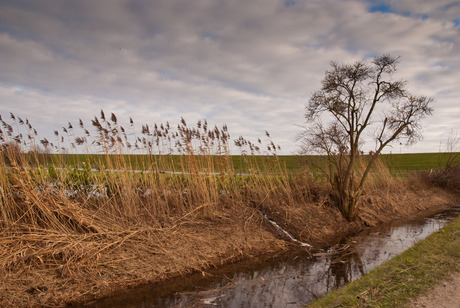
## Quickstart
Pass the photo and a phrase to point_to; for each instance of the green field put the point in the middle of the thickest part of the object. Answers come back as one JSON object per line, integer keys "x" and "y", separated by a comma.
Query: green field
{"x": 418, "y": 161}
{"x": 241, "y": 164}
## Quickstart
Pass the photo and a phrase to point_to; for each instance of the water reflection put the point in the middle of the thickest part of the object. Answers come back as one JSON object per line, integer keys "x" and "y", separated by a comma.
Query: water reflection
{"x": 290, "y": 280}
{"x": 343, "y": 268}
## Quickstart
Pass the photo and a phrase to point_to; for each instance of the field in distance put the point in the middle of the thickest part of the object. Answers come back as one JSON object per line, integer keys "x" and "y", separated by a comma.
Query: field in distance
{"x": 241, "y": 163}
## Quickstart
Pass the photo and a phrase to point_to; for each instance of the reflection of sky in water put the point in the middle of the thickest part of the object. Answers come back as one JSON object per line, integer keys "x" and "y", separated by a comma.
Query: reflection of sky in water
{"x": 295, "y": 280}
{"x": 381, "y": 246}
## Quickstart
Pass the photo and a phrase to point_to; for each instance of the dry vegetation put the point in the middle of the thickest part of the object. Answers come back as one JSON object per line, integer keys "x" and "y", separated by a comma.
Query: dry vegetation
{"x": 72, "y": 233}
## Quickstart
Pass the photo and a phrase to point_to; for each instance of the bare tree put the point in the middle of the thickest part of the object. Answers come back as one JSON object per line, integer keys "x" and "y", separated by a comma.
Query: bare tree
{"x": 355, "y": 102}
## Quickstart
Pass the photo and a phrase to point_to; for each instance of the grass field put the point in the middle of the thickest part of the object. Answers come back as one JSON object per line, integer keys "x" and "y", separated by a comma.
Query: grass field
{"x": 417, "y": 161}
{"x": 241, "y": 163}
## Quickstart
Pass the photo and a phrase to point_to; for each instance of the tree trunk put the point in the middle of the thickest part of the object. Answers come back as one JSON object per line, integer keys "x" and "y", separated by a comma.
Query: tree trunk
{"x": 346, "y": 198}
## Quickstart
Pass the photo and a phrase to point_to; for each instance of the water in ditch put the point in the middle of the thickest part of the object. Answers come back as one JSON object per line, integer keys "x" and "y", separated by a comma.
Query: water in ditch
{"x": 288, "y": 280}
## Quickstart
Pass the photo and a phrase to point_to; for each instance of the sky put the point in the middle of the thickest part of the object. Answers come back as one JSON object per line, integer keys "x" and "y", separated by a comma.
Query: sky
{"x": 252, "y": 65}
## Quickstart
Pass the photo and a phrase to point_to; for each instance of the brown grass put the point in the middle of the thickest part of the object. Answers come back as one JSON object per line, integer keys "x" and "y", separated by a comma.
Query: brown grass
{"x": 70, "y": 233}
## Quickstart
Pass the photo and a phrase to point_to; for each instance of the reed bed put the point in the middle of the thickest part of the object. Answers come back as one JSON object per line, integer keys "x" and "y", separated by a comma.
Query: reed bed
{"x": 177, "y": 171}
{"x": 132, "y": 206}
{"x": 132, "y": 194}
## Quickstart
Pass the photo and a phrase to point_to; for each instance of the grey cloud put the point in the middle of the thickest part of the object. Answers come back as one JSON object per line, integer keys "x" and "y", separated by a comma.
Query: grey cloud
{"x": 252, "y": 65}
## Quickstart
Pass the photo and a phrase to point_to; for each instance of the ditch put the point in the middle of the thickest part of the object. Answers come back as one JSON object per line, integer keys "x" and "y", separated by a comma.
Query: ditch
{"x": 291, "y": 279}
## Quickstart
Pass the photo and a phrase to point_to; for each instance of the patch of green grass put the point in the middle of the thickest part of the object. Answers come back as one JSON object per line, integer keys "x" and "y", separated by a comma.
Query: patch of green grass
{"x": 416, "y": 161}
{"x": 403, "y": 278}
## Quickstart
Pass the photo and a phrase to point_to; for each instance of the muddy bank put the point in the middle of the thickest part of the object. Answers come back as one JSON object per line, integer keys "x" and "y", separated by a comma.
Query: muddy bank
{"x": 121, "y": 260}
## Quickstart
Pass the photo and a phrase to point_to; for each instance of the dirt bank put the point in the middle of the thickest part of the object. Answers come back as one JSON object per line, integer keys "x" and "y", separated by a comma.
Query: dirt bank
{"x": 444, "y": 295}
{"x": 93, "y": 265}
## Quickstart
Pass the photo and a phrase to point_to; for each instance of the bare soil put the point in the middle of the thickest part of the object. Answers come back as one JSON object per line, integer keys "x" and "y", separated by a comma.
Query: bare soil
{"x": 444, "y": 295}
{"x": 119, "y": 261}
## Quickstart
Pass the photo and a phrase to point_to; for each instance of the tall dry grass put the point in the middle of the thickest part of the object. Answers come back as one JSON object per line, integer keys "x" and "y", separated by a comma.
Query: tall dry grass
{"x": 59, "y": 214}
{"x": 181, "y": 171}
{"x": 132, "y": 191}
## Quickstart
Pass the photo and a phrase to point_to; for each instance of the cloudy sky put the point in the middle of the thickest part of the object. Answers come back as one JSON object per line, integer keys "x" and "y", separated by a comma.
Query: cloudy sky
{"x": 250, "y": 64}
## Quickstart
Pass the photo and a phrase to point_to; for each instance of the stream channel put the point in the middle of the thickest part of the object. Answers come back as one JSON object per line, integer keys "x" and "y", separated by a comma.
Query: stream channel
{"x": 291, "y": 279}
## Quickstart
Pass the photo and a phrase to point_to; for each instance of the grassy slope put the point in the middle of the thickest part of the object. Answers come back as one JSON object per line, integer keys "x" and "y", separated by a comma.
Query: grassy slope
{"x": 404, "y": 277}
